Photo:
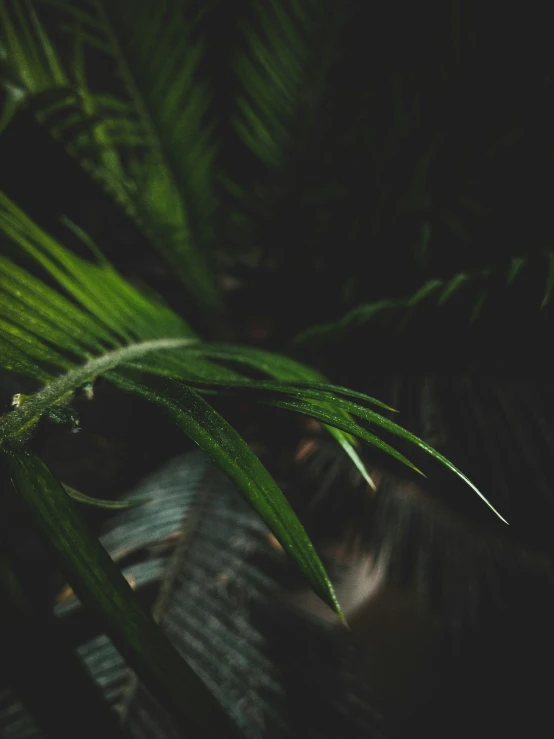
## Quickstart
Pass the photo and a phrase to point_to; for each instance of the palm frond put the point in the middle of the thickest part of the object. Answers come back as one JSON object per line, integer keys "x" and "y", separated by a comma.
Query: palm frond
{"x": 468, "y": 288}
{"x": 148, "y": 141}
{"x": 132, "y": 330}
{"x": 117, "y": 328}
{"x": 281, "y": 71}
{"x": 27, "y": 50}
{"x": 280, "y": 63}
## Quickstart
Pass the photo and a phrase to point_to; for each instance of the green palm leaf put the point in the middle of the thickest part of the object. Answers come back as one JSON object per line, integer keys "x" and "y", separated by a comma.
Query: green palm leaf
{"x": 104, "y": 324}
{"x": 151, "y": 143}
{"x": 281, "y": 68}
{"x": 472, "y": 287}
{"x": 96, "y": 324}
{"x": 116, "y": 326}
{"x": 281, "y": 62}
{"x": 222, "y": 443}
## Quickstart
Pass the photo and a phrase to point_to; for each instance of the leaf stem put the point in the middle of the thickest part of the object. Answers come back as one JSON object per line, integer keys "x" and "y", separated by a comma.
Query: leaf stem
{"x": 16, "y": 423}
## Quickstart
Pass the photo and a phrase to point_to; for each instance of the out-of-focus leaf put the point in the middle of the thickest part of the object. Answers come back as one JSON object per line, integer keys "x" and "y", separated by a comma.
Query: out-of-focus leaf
{"x": 99, "y": 503}
{"x": 281, "y": 74}
{"x": 208, "y": 615}
{"x": 157, "y": 158}
{"x": 549, "y": 280}
{"x": 102, "y": 588}
{"x": 401, "y": 308}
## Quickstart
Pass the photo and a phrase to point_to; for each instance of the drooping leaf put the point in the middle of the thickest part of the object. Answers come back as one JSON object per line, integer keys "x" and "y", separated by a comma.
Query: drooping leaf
{"x": 312, "y": 401}
{"x": 284, "y": 368}
{"x": 110, "y": 324}
{"x": 312, "y": 410}
{"x": 233, "y": 455}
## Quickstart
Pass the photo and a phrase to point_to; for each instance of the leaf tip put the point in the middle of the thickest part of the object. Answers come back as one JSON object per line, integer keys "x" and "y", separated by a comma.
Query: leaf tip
{"x": 342, "y": 620}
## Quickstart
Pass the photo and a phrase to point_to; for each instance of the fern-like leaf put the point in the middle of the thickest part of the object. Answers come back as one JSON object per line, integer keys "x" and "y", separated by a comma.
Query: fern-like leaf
{"x": 439, "y": 292}
{"x": 150, "y": 143}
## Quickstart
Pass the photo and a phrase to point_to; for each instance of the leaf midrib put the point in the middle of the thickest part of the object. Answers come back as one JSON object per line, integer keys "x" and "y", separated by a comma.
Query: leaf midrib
{"x": 15, "y": 423}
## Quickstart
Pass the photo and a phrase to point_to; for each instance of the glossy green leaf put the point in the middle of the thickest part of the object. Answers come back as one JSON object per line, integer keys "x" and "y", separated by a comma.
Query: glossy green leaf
{"x": 284, "y": 368}
{"x": 109, "y": 309}
{"x": 397, "y": 430}
{"x": 101, "y": 586}
{"x": 37, "y": 299}
{"x": 28, "y": 340}
{"x": 232, "y": 454}
{"x": 33, "y": 349}
{"x": 268, "y": 393}
{"x": 14, "y": 360}
{"x": 326, "y": 391}
{"x": 301, "y": 403}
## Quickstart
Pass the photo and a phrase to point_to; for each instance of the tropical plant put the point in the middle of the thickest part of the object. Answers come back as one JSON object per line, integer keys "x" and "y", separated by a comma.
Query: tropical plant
{"x": 205, "y": 138}
{"x": 107, "y": 328}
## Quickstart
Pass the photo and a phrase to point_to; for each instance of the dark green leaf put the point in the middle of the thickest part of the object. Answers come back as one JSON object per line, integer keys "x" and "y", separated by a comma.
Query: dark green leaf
{"x": 284, "y": 368}
{"x": 232, "y": 454}
{"x": 340, "y": 420}
{"x": 100, "y": 585}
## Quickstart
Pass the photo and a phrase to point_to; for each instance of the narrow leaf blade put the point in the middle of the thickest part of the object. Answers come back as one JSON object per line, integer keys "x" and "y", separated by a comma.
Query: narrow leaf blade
{"x": 232, "y": 454}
